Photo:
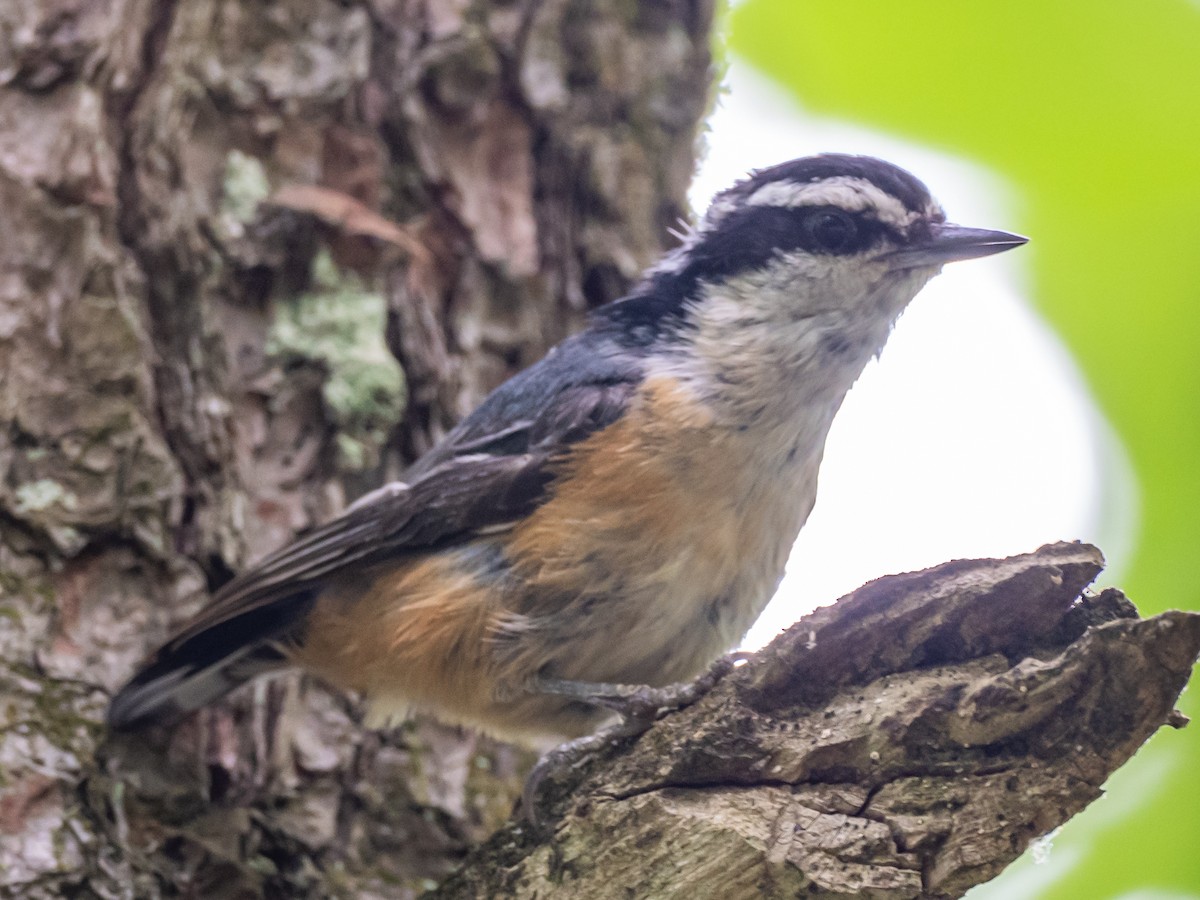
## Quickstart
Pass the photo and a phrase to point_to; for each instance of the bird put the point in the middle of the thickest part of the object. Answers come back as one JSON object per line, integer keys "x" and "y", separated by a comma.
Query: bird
{"x": 617, "y": 514}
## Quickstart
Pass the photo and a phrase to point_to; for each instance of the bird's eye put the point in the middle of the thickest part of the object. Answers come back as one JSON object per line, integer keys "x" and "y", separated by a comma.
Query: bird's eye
{"x": 832, "y": 230}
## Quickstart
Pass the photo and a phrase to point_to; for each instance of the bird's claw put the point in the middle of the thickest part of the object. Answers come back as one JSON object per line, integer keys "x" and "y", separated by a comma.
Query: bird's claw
{"x": 638, "y": 705}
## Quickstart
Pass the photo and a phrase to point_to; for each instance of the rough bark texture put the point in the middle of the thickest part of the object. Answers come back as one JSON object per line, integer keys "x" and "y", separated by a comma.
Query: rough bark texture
{"x": 909, "y": 741}
{"x": 254, "y": 257}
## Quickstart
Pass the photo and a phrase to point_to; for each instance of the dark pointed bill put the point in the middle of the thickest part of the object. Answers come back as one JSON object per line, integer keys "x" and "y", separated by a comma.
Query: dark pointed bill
{"x": 949, "y": 243}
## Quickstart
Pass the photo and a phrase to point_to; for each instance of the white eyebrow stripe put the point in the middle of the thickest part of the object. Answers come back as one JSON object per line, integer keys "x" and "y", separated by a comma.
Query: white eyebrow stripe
{"x": 720, "y": 207}
{"x": 844, "y": 191}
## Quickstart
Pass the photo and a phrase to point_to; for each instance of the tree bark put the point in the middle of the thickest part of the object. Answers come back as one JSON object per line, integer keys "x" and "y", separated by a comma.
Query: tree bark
{"x": 909, "y": 741}
{"x": 255, "y": 258}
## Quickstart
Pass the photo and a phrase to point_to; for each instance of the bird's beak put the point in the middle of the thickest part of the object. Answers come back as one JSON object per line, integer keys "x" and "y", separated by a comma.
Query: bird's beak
{"x": 948, "y": 243}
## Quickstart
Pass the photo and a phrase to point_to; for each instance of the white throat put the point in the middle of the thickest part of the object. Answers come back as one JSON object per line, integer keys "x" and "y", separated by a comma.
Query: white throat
{"x": 780, "y": 347}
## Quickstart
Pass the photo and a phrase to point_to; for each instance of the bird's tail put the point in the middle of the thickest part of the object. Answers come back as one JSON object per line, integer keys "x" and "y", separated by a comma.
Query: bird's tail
{"x": 204, "y": 664}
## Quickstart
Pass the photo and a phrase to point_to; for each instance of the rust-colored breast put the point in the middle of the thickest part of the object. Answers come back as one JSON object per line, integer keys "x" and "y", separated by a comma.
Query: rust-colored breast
{"x": 661, "y": 543}
{"x": 414, "y": 635}
{"x": 655, "y": 551}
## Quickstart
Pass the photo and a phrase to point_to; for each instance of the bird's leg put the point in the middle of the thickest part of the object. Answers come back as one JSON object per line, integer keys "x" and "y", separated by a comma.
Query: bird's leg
{"x": 638, "y": 706}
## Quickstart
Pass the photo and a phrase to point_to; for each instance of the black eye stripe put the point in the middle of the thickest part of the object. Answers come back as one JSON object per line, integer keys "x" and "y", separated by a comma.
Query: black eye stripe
{"x": 745, "y": 240}
{"x": 749, "y": 238}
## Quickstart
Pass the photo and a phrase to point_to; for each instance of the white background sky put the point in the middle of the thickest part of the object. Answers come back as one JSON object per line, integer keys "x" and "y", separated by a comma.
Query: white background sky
{"x": 973, "y": 435}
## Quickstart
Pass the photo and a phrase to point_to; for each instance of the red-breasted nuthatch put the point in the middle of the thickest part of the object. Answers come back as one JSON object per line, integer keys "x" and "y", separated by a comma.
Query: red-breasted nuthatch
{"x": 620, "y": 512}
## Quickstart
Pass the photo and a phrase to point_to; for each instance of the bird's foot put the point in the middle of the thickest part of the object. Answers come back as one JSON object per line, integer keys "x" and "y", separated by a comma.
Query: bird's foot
{"x": 638, "y": 705}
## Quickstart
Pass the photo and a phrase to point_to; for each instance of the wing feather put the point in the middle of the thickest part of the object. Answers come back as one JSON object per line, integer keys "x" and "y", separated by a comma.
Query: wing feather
{"x": 473, "y": 483}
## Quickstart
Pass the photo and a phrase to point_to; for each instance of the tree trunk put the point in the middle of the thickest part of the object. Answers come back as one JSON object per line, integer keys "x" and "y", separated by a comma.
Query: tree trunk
{"x": 255, "y": 258}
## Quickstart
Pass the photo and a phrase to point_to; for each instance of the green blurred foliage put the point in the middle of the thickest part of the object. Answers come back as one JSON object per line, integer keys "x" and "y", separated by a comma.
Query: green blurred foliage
{"x": 1092, "y": 111}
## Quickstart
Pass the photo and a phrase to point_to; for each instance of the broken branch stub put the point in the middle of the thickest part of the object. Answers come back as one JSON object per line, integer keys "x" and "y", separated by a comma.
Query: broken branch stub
{"x": 910, "y": 740}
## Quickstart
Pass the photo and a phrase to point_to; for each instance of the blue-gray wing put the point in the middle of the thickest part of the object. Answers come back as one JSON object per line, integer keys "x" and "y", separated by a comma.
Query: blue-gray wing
{"x": 490, "y": 471}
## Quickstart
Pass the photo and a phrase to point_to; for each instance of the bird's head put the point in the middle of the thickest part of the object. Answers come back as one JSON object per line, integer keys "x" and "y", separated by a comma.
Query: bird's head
{"x": 802, "y": 267}
{"x": 821, "y": 233}
{"x": 840, "y": 230}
